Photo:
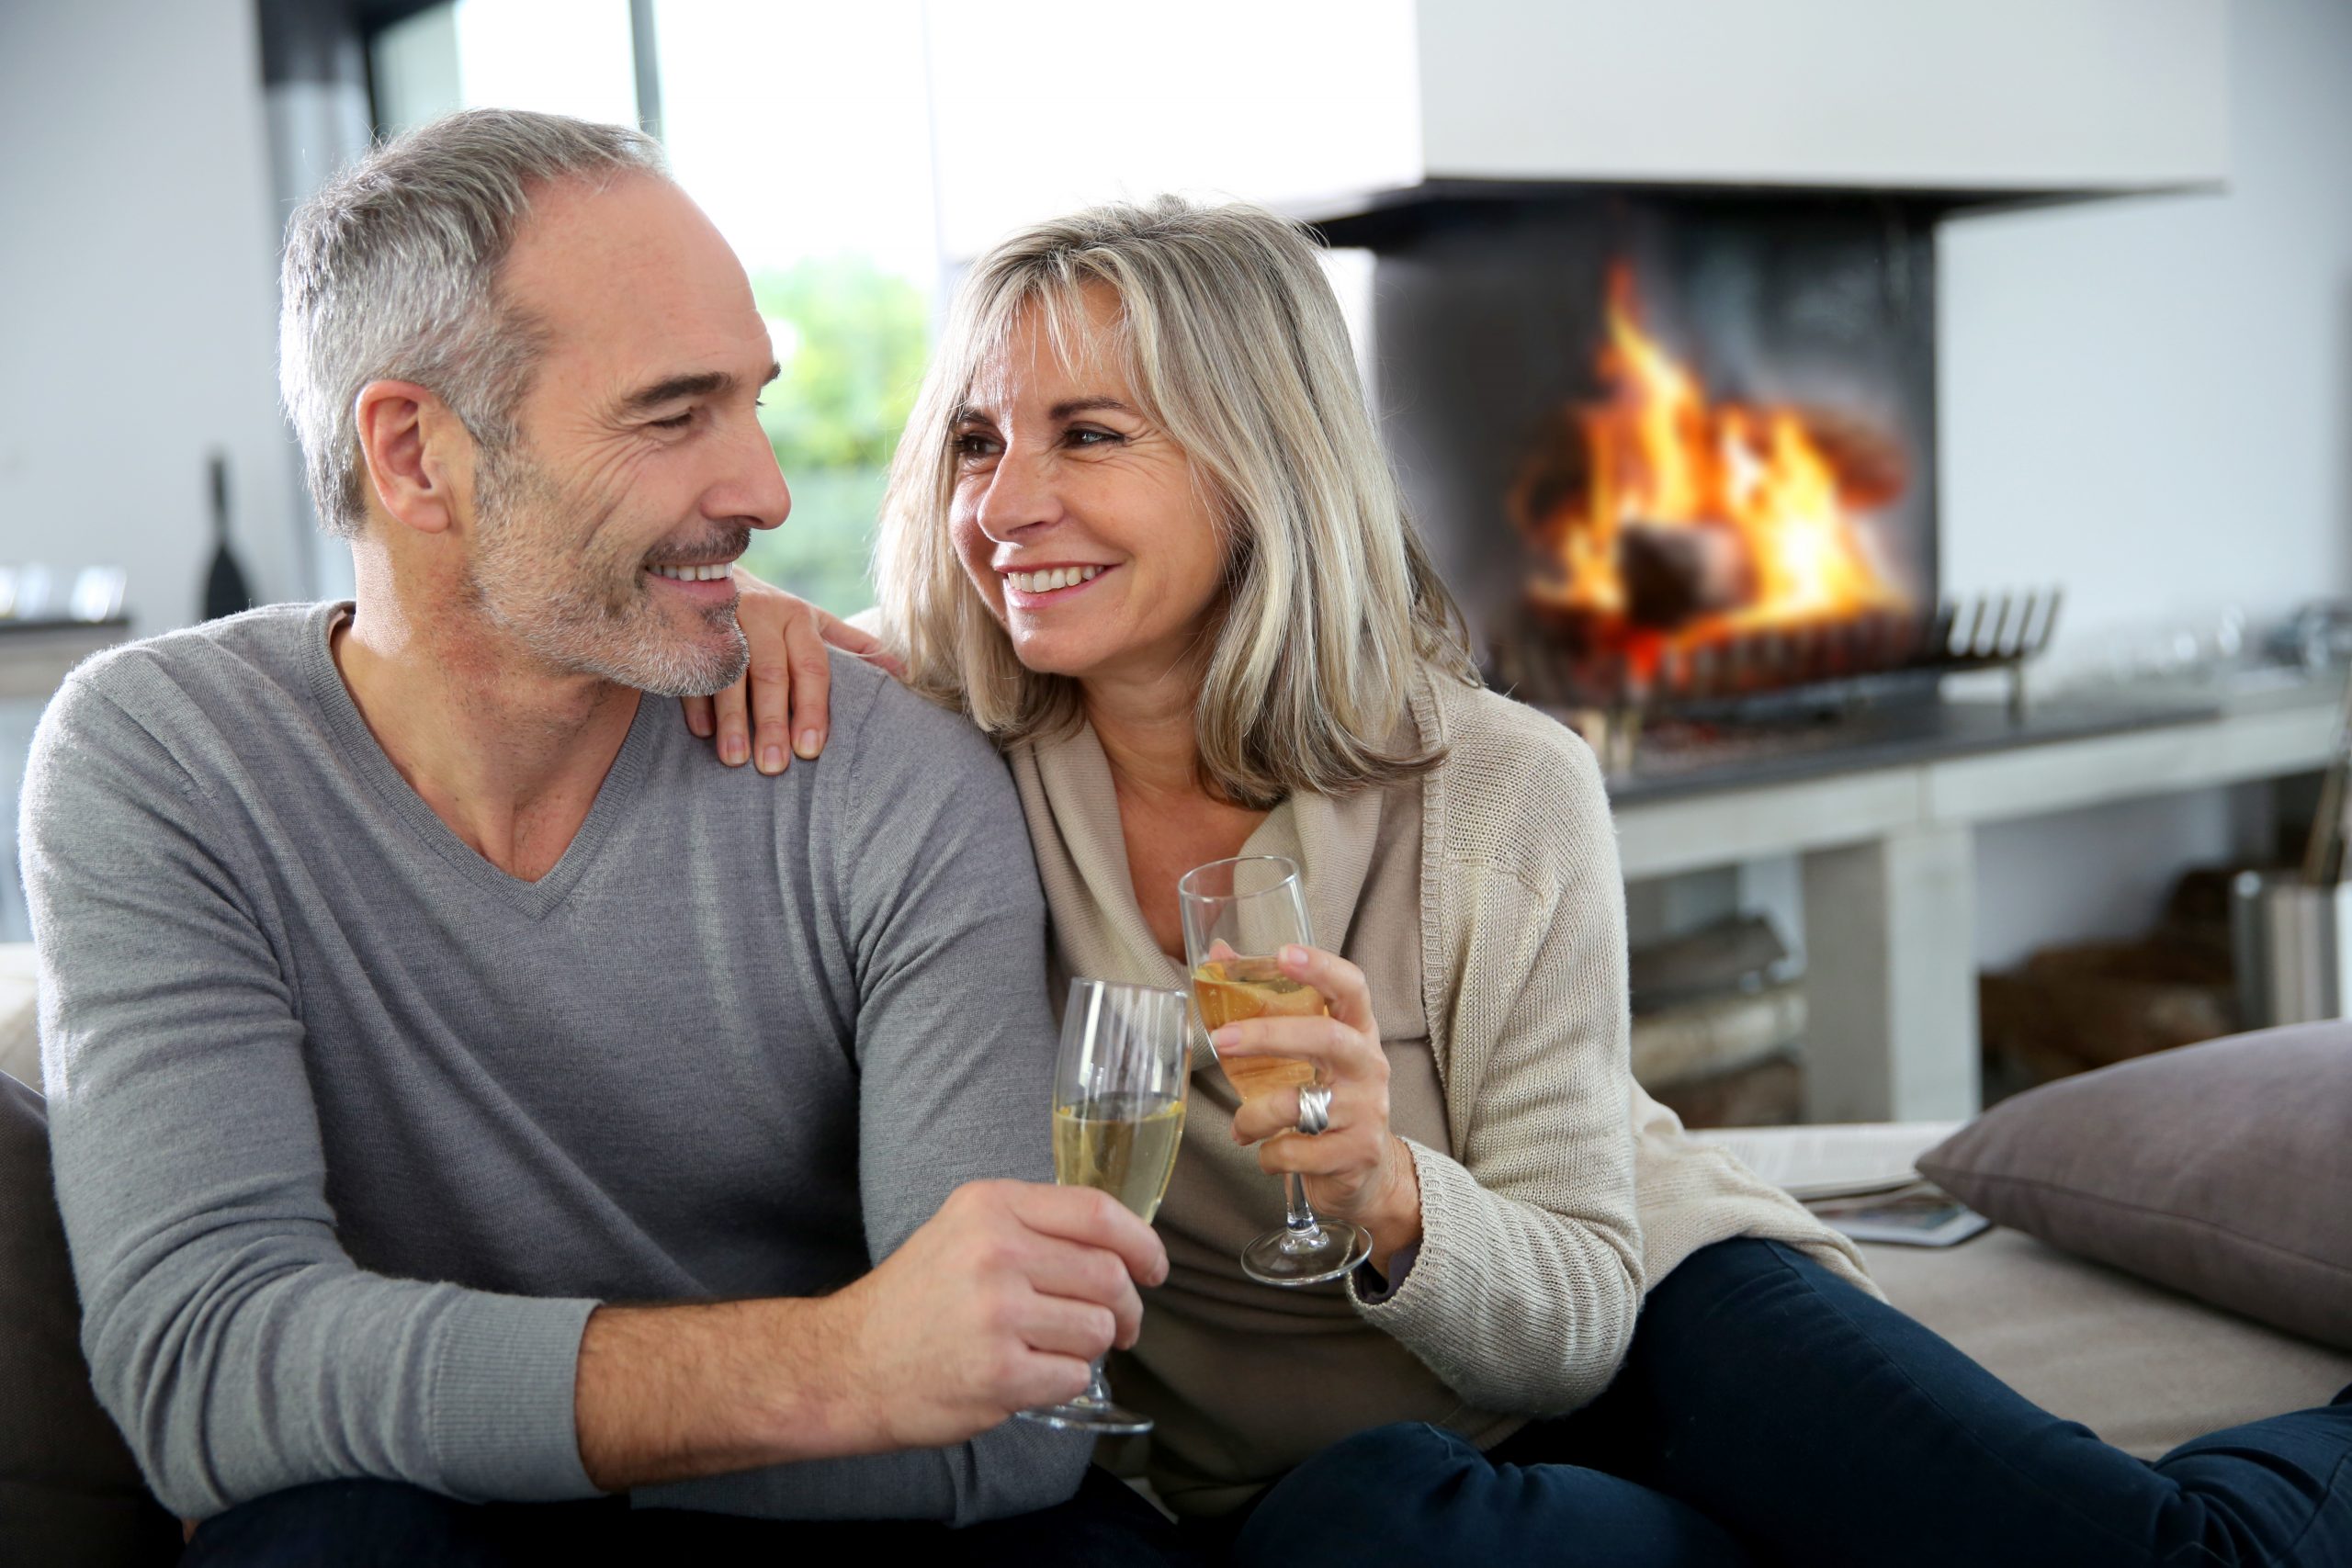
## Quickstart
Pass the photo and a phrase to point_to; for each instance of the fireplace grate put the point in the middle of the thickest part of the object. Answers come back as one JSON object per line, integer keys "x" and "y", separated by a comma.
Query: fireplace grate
{"x": 1760, "y": 676}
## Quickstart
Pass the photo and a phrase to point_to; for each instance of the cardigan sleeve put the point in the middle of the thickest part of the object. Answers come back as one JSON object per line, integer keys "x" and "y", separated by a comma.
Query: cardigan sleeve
{"x": 1524, "y": 1289}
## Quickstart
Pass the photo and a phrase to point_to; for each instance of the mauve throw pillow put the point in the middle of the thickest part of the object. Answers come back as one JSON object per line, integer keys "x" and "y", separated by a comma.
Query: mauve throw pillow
{"x": 69, "y": 1492}
{"x": 2222, "y": 1170}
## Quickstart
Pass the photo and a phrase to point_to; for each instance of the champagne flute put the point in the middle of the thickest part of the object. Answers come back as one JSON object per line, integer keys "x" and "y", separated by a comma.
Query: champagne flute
{"x": 1119, "y": 1086}
{"x": 1237, "y": 915}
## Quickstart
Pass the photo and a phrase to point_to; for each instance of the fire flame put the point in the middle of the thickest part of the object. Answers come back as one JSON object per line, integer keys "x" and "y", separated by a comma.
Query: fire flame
{"x": 1660, "y": 456}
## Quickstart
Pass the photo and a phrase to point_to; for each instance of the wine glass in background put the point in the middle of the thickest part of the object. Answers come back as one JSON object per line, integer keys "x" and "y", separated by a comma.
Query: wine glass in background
{"x": 1119, "y": 1084}
{"x": 1237, "y": 915}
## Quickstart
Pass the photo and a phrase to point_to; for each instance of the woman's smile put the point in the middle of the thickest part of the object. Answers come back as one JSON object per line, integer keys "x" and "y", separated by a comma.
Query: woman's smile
{"x": 1035, "y": 587}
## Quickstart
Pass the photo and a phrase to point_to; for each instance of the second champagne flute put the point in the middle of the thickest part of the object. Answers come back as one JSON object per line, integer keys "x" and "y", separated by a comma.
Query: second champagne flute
{"x": 1238, "y": 914}
{"x": 1119, "y": 1090}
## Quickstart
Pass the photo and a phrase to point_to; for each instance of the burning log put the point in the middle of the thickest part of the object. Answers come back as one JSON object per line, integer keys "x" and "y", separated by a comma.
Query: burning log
{"x": 1674, "y": 575}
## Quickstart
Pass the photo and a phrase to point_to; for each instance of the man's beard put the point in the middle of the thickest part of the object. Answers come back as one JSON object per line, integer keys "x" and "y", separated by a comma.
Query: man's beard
{"x": 577, "y": 613}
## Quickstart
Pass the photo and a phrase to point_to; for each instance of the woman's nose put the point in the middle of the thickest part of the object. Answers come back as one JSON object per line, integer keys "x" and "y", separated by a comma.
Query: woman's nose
{"x": 1020, "y": 494}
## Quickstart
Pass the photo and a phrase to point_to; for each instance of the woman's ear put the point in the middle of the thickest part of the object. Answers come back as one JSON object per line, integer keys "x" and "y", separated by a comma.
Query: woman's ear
{"x": 417, "y": 451}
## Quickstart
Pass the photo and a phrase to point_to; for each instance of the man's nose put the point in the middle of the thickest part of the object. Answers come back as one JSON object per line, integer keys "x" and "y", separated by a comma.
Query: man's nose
{"x": 754, "y": 490}
{"x": 1020, "y": 494}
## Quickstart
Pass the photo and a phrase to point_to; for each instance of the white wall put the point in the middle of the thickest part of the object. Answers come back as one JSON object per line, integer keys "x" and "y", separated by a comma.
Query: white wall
{"x": 2150, "y": 401}
{"x": 138, "y": 297}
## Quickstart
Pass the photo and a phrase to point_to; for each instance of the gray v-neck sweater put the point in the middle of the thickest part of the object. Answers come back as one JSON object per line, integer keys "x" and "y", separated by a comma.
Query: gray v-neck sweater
{"x": 353, "y": 1129}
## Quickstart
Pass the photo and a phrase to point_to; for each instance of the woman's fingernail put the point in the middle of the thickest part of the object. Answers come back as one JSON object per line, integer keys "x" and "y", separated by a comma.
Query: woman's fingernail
{"x": 735, "y": 749}
{"x": 1225, "y": 1038}
{"x": 808, "y": 744}
{"x": 1295, "y": 955}
{"x": 772, "y": 759}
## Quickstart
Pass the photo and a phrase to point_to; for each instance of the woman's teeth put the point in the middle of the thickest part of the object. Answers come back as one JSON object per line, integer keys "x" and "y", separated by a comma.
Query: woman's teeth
{"x": 1046, "y": 581}
{"x": 693, "y": 573}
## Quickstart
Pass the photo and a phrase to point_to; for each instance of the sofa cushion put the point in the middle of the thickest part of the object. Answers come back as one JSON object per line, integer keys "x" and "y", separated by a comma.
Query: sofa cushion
{"x": 2221, "y": 1170}
{"x": 68, "y": 1488}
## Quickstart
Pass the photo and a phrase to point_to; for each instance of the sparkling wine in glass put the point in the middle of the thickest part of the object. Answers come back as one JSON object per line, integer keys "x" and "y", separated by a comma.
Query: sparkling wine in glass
{"x": 1237, "y": 915}
{"x": 1119, "y": 1086}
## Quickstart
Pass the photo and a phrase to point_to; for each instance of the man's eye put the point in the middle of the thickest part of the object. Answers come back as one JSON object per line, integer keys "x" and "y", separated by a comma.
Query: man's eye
{"x": 675, "y": 422}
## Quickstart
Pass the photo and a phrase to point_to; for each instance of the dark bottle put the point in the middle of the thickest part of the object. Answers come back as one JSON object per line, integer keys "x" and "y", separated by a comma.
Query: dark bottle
{"x": 225, "y": 592}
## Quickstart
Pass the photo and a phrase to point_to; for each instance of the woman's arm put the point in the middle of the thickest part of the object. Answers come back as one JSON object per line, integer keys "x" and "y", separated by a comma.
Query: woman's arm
{"x": 1523, "y": 1292}
{"x": 1523, "y": 1273}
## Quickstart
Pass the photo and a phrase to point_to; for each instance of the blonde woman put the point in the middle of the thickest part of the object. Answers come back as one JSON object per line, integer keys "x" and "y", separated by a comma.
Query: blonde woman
{"x": 1141, "y": 532}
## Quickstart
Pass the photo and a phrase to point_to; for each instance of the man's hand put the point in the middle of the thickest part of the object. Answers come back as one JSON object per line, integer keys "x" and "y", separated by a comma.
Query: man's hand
{"x": 999, "y": 1301}
{"x": 1003, "y": 1300}
{"x": 779, "y": 710}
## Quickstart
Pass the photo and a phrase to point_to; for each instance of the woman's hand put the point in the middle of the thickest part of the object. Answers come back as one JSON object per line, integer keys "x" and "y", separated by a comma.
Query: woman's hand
{"x": 778, "y": 710}
{"x": 1356, "y": 1169}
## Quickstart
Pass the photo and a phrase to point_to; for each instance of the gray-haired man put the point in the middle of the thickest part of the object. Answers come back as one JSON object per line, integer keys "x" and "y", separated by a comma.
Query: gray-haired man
{"x": 405, "y": 1003}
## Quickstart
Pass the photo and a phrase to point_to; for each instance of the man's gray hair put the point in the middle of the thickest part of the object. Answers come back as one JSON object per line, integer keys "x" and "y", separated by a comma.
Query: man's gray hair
{"x": 390, "y": 274}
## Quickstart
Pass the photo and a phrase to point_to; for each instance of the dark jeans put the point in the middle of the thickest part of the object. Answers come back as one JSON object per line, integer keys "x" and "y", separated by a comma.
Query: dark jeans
{"x": 362, "y": 1523}
{"x": 1770, "y": 1413}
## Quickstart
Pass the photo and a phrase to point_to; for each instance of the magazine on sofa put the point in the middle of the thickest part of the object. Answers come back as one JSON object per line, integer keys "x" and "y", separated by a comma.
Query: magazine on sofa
{"x": 1921, "y": 1214}
{"x": 1832, "y": 1160}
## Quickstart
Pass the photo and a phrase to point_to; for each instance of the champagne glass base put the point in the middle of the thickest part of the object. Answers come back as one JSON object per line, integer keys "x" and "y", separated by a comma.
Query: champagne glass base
{"x": 1289, "y": 1256}
{"x": 1087, "y": 1415}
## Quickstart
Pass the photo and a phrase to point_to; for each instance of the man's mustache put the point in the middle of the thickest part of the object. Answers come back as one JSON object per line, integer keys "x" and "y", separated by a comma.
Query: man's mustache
{"x": 718, "y": 545}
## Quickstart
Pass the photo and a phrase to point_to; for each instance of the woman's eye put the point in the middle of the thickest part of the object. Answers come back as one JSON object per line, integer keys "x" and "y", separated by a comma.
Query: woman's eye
{"x": 1089, "y": 436}
{"x": 971, "y": 444}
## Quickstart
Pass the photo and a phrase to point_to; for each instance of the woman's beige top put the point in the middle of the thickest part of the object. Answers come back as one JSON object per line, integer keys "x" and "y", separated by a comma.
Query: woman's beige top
{"x": 1484, "y": 904}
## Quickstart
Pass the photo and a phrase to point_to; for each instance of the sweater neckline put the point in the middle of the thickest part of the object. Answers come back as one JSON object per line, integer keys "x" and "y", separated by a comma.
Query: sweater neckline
{"x": 623, "y": 781}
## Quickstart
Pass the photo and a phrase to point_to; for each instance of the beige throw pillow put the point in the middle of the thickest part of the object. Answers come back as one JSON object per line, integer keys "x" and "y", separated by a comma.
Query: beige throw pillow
{"x": 2222, "y": 1170}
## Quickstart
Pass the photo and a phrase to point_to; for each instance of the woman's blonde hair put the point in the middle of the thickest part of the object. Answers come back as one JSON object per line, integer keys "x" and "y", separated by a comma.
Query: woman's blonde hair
{"x": 1235, "y": 345}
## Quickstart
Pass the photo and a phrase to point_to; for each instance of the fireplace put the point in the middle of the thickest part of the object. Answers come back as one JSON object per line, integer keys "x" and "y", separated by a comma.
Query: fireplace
{"x": 1675, "y": 451}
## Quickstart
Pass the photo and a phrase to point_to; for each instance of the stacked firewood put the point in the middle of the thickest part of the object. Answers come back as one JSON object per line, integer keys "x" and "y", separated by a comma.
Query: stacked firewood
{"x": 1718, "y": 1015}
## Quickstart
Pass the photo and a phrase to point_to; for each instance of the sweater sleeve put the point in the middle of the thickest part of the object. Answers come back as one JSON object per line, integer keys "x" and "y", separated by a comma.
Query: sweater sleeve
{"x": 955, "y": 1054}
{"x": 1523, "y": 1292}
{"x": 229, "y": 1335}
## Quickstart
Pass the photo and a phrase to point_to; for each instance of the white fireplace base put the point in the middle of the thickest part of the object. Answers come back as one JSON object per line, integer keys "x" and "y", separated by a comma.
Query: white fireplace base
{"x": 1888, "y": 859}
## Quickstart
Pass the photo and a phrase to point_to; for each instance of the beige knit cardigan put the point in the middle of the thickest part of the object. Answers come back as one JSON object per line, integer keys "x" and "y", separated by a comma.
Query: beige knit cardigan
{"x": 1564, "y": 1191}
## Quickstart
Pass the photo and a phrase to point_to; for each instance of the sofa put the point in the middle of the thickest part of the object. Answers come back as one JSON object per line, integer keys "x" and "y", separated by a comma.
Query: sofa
{"x": 2143, "y": 1366}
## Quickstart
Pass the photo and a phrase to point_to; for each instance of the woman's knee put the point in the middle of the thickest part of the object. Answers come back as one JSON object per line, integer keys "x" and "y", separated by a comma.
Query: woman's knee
{"x": 1372, "y": 1492}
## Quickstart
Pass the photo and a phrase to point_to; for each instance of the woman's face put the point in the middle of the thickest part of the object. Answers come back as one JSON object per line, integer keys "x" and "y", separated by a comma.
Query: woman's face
{"x": 1081, "y": 523}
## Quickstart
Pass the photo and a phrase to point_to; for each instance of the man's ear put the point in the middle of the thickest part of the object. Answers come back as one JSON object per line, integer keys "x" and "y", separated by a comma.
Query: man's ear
{"x": 419, "y": 455}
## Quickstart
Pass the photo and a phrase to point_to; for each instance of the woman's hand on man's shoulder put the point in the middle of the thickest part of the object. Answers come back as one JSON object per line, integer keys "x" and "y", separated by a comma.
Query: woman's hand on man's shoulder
{"x": 781, "y": 709}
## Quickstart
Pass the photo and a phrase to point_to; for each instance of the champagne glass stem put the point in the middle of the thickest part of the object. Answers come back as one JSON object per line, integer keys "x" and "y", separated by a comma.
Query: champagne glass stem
{"x": 1301, "y": 1214}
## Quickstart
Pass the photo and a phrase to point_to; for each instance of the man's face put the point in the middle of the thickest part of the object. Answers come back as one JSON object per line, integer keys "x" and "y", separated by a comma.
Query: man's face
{"x": 603, "y": 536}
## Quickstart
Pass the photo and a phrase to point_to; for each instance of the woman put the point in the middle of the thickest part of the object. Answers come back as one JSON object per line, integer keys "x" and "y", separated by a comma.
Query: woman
{"x": 1139, "y": 530}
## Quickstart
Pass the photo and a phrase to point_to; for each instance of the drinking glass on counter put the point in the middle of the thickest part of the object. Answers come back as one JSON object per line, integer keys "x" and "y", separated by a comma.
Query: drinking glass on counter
{"x": 1118, "y": 1114}
{"x": 1237, "y": 915}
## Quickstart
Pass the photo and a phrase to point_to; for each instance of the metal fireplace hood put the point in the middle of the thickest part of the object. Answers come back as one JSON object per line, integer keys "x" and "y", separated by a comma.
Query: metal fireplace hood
{"x": 1956, "y": 103}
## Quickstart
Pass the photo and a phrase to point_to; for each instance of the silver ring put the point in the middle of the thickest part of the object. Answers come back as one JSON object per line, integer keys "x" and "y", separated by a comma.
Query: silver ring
{"x": 1314, "y": 1109}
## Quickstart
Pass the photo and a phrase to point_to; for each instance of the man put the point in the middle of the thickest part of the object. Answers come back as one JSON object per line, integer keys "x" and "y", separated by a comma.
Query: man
{"x": 406, "y": 1007}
